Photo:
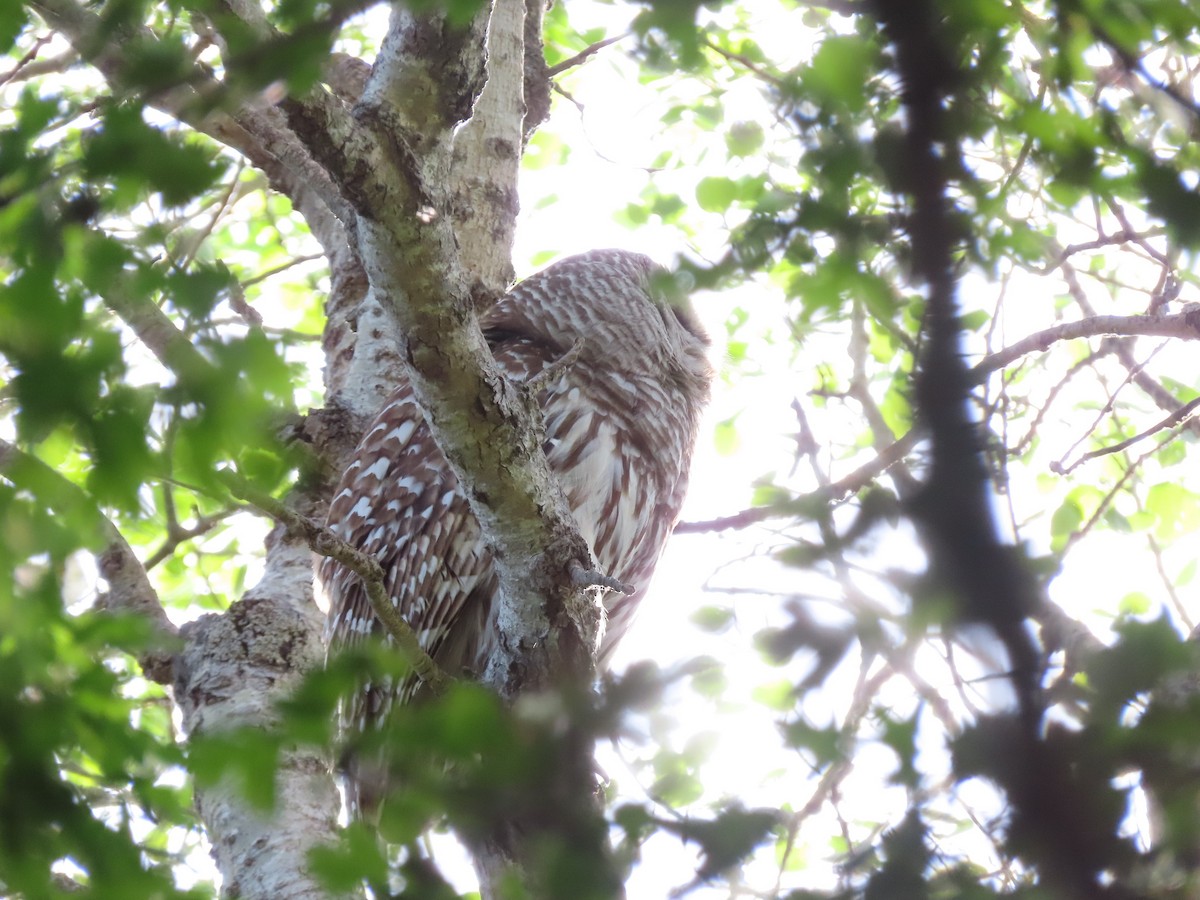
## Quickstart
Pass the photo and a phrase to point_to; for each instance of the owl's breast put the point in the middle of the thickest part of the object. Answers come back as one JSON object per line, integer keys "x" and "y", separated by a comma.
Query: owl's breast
{"x": 613, "y": 443}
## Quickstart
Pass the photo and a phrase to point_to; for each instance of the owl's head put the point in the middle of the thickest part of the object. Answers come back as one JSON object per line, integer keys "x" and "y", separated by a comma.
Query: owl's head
{"x": 628, "y": 311}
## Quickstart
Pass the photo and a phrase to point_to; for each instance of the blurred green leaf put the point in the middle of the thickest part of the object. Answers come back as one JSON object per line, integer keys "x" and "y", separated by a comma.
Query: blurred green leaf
{"x": 136, "y": 156}
{"x": 716, "y": 194}
{"x": 839, "y": 71}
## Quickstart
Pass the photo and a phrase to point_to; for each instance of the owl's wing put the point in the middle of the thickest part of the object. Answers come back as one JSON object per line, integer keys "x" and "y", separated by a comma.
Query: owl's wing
{"x": 400, "y": 502}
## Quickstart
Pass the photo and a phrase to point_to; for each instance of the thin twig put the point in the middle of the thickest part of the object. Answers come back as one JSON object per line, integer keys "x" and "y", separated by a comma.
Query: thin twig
{"x": 1105, "y": 411}
{"x": 223, "y": 203}
{"x": 155, "y": 329}
{"x": 177, "y": 534}
{"x": 1175, "y": 418}
{"x": 1124, "y": 236}
{"x": 1106, "y": 348}
{"x": 21, "y": 71}
{"x": 582, "y": 55}
{"x": 585, "y": 577}
{"x": 806, "y": 503}
{"x": 1105, "y": 502}
{"x": 1169, "y": 586}
{"x": 282, "y": 267}
{"x": 1135, "y": 66}
{"x": 747, "y": 63}
{"x": 555, "y": 368}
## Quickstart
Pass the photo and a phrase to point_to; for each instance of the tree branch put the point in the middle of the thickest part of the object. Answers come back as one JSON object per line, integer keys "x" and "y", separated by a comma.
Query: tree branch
{"x": 394, "y": 161}
{"x": 324, "y": 542}
{"x": 1185, "y": 325}
{"x": 234, "y": 672}
{"x": 176, "y": 534}
{"x": 162, "y": 337}
{"x": 583, "y": 55}
{"x": 953, "y": 510}
{"x": 815, "y": 500}
{"x": 1178, "y": 417}
{"x": 537, "y": 73}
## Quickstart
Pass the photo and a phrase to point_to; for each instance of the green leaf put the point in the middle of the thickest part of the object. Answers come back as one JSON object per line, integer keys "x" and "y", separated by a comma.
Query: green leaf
{"x": 1171, "y": 200}
{"x": 344, "y": 867}
{"x": 1065, "y": 522}
{"x": 731, "y": 836}
{"x": 13, "y": 18}
{"x": 725, "y": 437}
{"x": 633, "y": 819}
{"x": 198, "y": 290}
{"x": 716, "y": 193}
{"x": 777, "y": 695}
{"x": 715, "y": 619}
{"x": 744, "y": 138}
{"x": 677, "y": 787}
{"x": 839, "y": 70}
{"x": 1135, "y": 603}
{"x": 1176, "y": 509}
{"x": 973, "y": 321}
{"x": 1144, "y": 653}
{"x": 248, "y": 756}
{"x": 138, "y": 156}
{"x": 900, "y": 735}
{"x": 824, "y": 743}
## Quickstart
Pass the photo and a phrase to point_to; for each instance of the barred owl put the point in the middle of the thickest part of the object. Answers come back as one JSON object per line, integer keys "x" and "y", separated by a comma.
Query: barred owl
{"x": 621, "y": 421}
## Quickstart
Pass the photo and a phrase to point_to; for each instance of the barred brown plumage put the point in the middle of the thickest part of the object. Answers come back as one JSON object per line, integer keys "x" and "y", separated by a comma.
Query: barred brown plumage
{"x": 621, "y": 422}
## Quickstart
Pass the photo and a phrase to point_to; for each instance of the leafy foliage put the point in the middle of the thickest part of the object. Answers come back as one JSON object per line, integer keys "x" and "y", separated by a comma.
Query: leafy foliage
{"x": 160, "y": 313}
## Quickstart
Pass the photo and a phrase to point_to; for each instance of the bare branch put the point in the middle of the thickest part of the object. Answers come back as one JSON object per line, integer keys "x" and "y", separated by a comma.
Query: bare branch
{"x": 1133, "y": 65}
{"x": 155, "y": 329}
{"x": 583, "y": 55}
{"x": 860, "y": 391}
{"x": 537, "y": 73}
{"x": 393, "y": 156}
{"x": 1178, "y": 417}
{"x": 1184, "y": 325}
{"x": 1104, "y": 412}
{"x": 1163, "y": 398}
{"x": 282, "y": 267}
{"x": 746, "y": 63}
{"x": 29, "y": 66}
{"x": 1123, "y": 236}
{"x": 805, "y": 504}
{"x": 177, "y": 534}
